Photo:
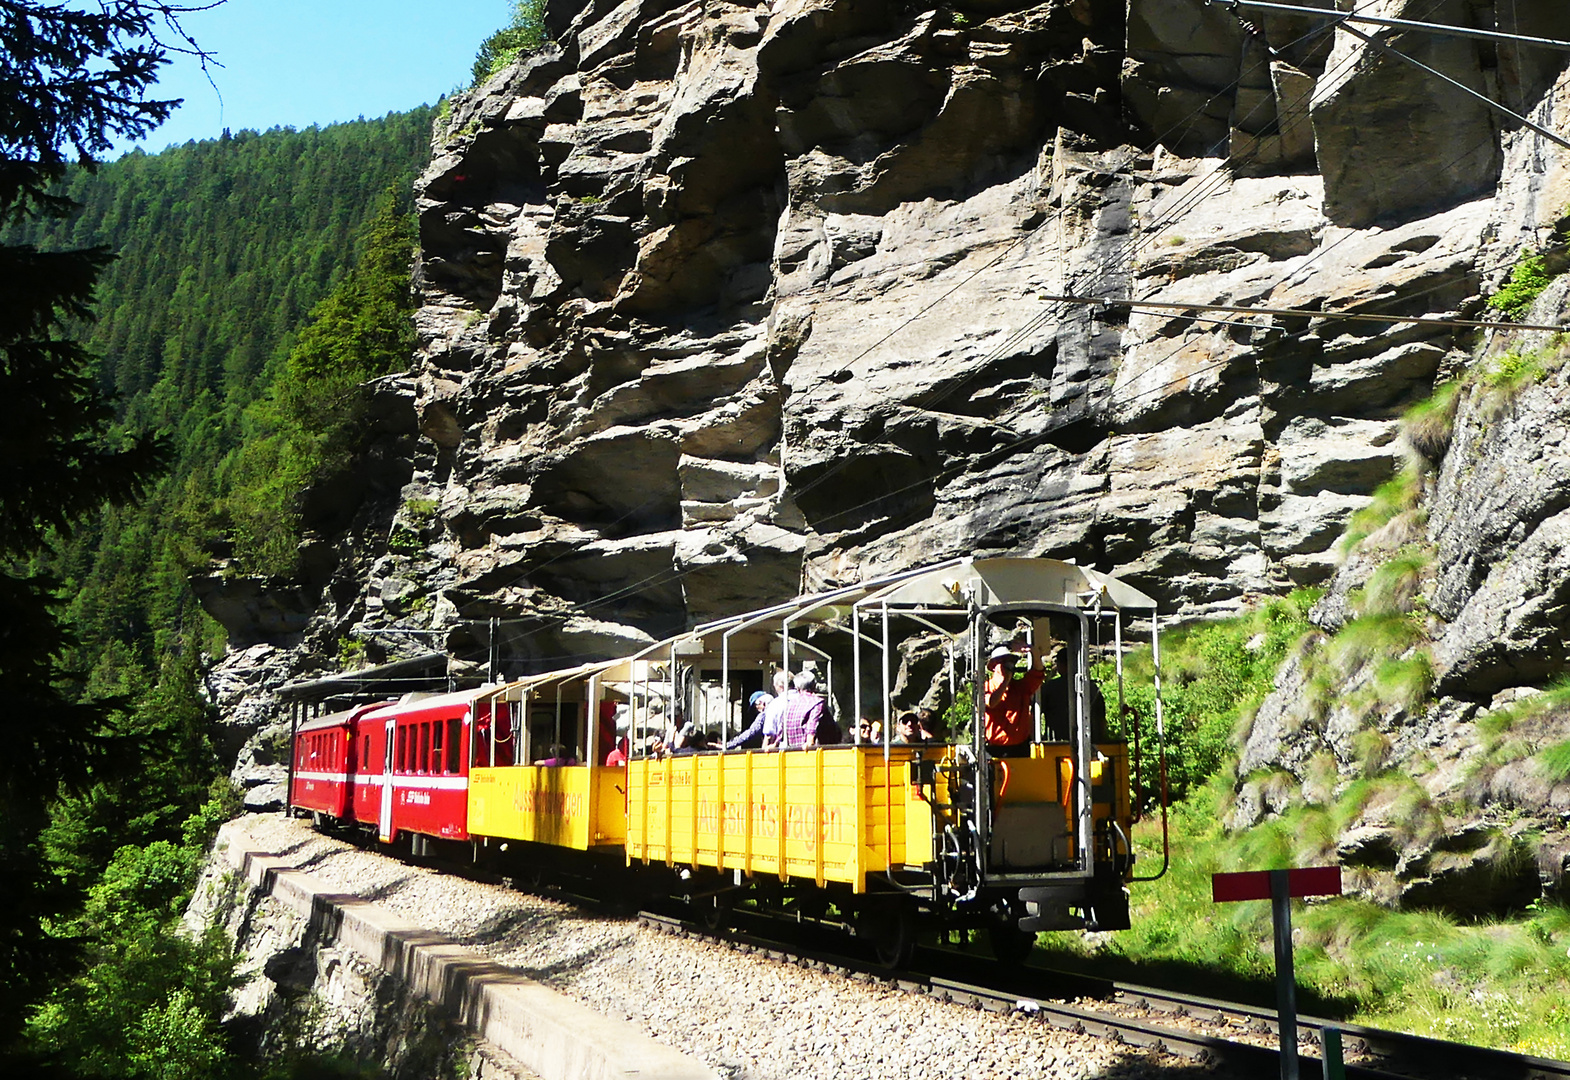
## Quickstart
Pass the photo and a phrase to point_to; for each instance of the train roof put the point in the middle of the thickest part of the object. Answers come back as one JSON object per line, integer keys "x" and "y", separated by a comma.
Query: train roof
{"x": 952, "y": 584}
{"x": 332, "y": 720}
{"x": 423, "y": 702}
{"x": 949, "y": 584}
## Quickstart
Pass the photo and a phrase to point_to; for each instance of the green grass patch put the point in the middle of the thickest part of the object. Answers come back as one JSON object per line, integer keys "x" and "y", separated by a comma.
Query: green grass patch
{"x": 1528, "y": 279}
{"x": 1554, "y": 762}
{"x": 1502, "y": 983}
{"x": 1372, "y": 637}
{"x": 1396, "y": 586}
{"x": 1214, "y": 675}
{"x": 1429, "y": 425}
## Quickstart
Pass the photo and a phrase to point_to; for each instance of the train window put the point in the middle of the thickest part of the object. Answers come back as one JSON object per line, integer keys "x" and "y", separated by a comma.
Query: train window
{"x": 454, "y": 735}
{"x": 436, "y": 747}
{"x": 425, "y": 747}
{"x": 401, "y": 764}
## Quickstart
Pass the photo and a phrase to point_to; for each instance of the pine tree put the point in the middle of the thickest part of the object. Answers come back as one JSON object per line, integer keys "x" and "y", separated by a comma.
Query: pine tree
{"x": 70, "y": 81}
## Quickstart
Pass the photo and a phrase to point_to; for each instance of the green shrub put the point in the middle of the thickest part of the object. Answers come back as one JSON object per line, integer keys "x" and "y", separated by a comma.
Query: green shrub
{"x": 1214, "y": 674}
{"x": 405, "y": 542}
{"x": 1512, "y": 370}
{"x": 420, "y": 512}
{"x": 1527, "y": 281}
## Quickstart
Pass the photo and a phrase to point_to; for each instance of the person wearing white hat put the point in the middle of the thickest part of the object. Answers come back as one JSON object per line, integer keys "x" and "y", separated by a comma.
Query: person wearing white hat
{"x": 1008, "y": 720}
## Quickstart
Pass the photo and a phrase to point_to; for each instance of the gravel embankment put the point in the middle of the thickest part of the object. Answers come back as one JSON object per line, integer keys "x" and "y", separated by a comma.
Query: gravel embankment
{"x": 750, "y": 1017}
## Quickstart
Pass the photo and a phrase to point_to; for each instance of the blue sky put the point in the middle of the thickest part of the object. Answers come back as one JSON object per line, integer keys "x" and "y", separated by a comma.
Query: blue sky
{"x": 301, "y": 62}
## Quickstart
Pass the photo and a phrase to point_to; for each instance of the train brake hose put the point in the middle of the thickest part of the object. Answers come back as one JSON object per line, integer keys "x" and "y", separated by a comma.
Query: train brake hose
{"x": 1166, "y": 841}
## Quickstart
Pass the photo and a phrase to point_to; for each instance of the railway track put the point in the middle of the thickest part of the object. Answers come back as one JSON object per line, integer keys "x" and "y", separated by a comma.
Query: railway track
{"x": 1238, "y": 1039}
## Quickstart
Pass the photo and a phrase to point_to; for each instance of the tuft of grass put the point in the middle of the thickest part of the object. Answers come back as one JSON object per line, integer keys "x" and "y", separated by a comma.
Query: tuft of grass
{"x": 1372, "y": 637}
{"x": 1396, "y": 496}
{"x": 1407, "y": 682}
{"x": 1372, "y": 749}
{"x": 1429, "y": 425}
{"x": 1554, "y": 762}
{"x": 1395, "y": 586}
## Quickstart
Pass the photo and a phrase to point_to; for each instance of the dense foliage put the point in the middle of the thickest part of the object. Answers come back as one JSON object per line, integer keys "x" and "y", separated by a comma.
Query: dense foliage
{"x": 308, "y": 423}
{"x": 1213, "y": 675}
{"x": 72, "y": 79}
{"x": 202, "y": 264}
{"x": 224, "y": 248}
{"x": 525, "y": 33}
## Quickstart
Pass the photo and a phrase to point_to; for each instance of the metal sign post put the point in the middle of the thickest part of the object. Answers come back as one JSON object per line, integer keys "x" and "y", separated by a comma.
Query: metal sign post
{"x": 1279, "y": 887}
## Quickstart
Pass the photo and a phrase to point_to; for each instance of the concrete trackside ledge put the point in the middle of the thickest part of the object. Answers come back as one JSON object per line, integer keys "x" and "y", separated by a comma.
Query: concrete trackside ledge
{"x": 547, "y": 1032}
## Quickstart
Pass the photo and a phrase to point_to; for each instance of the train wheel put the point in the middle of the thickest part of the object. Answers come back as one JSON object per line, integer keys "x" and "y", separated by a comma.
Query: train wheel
{"x": 891, "y": 927}
{"x": 714, "y": 911}
{"x": 1010, "y": 945}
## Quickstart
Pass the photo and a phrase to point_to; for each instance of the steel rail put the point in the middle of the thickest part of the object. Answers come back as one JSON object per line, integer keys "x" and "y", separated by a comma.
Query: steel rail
{"x": 1372, "y": 1054}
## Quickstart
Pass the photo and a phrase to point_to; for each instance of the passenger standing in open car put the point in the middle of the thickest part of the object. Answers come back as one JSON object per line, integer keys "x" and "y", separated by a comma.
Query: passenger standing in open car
{"x": 807, "y": 722}
{"x": 774, "y": 712}
{"x": 1008, "y": 702}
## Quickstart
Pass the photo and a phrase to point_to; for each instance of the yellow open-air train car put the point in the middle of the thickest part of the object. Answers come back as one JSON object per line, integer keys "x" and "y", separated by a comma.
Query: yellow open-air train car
{"x": 951, "y": 831}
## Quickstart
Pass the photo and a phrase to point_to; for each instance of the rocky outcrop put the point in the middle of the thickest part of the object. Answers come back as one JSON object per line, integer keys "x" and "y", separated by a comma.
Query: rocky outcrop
{"x": 723, "y": 300}
{"x": 1444, "y": 626}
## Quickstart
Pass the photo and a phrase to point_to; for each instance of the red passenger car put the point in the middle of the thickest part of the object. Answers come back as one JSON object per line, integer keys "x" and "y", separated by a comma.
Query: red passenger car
{"x": 426, "y": 745}
{"x": 320, "y": 779}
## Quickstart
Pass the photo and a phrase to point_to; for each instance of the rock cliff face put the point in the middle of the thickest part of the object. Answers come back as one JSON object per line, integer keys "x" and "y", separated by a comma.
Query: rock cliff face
{"x": 725, "y": 300}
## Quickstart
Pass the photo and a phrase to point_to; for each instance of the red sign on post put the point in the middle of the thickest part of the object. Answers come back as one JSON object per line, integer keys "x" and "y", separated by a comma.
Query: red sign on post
{"x": 1279, "y": 887}
{"x": 1255, "y": 884}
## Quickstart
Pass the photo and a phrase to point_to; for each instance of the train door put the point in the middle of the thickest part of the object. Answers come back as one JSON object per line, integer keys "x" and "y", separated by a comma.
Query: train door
{"x": 385, "y": 821}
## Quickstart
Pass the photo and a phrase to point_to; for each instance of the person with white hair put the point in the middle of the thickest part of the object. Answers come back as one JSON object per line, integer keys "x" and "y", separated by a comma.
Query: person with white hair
{"x": 807, "y": 722}
{"x": 774, "y": 711}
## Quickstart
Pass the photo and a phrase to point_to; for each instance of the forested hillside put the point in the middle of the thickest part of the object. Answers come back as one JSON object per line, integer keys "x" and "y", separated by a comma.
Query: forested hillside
{"x": 223, "y": 248}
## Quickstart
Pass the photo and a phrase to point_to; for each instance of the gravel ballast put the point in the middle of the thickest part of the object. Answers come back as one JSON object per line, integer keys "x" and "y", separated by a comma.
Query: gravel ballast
{"x": 748, "y": 1016}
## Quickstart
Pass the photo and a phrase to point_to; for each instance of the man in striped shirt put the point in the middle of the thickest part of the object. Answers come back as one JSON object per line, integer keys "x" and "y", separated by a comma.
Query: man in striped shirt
{"x": 807, "y": 722}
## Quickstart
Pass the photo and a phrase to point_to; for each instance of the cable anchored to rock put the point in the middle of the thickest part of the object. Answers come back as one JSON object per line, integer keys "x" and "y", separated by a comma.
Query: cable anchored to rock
{"x": 1404, "y": 24}
{"x": 1297, "y": 313}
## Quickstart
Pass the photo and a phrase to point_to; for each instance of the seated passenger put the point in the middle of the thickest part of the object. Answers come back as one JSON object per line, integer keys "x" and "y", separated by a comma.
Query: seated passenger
{"x": 907, "y": 731}
{"x": 864, "y": 731}
{"x": 751, "y": 737}
{"x": 692, "y": 743}
{"x": 557, "y": 756}
{"x": 618, "y": 755}
{"x": 930, "y": 725}
{"x": 653, "y": 746}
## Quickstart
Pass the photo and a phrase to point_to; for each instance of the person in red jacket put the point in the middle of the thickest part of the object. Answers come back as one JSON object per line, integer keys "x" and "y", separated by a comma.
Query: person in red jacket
{"x": 1008, "y": 720}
